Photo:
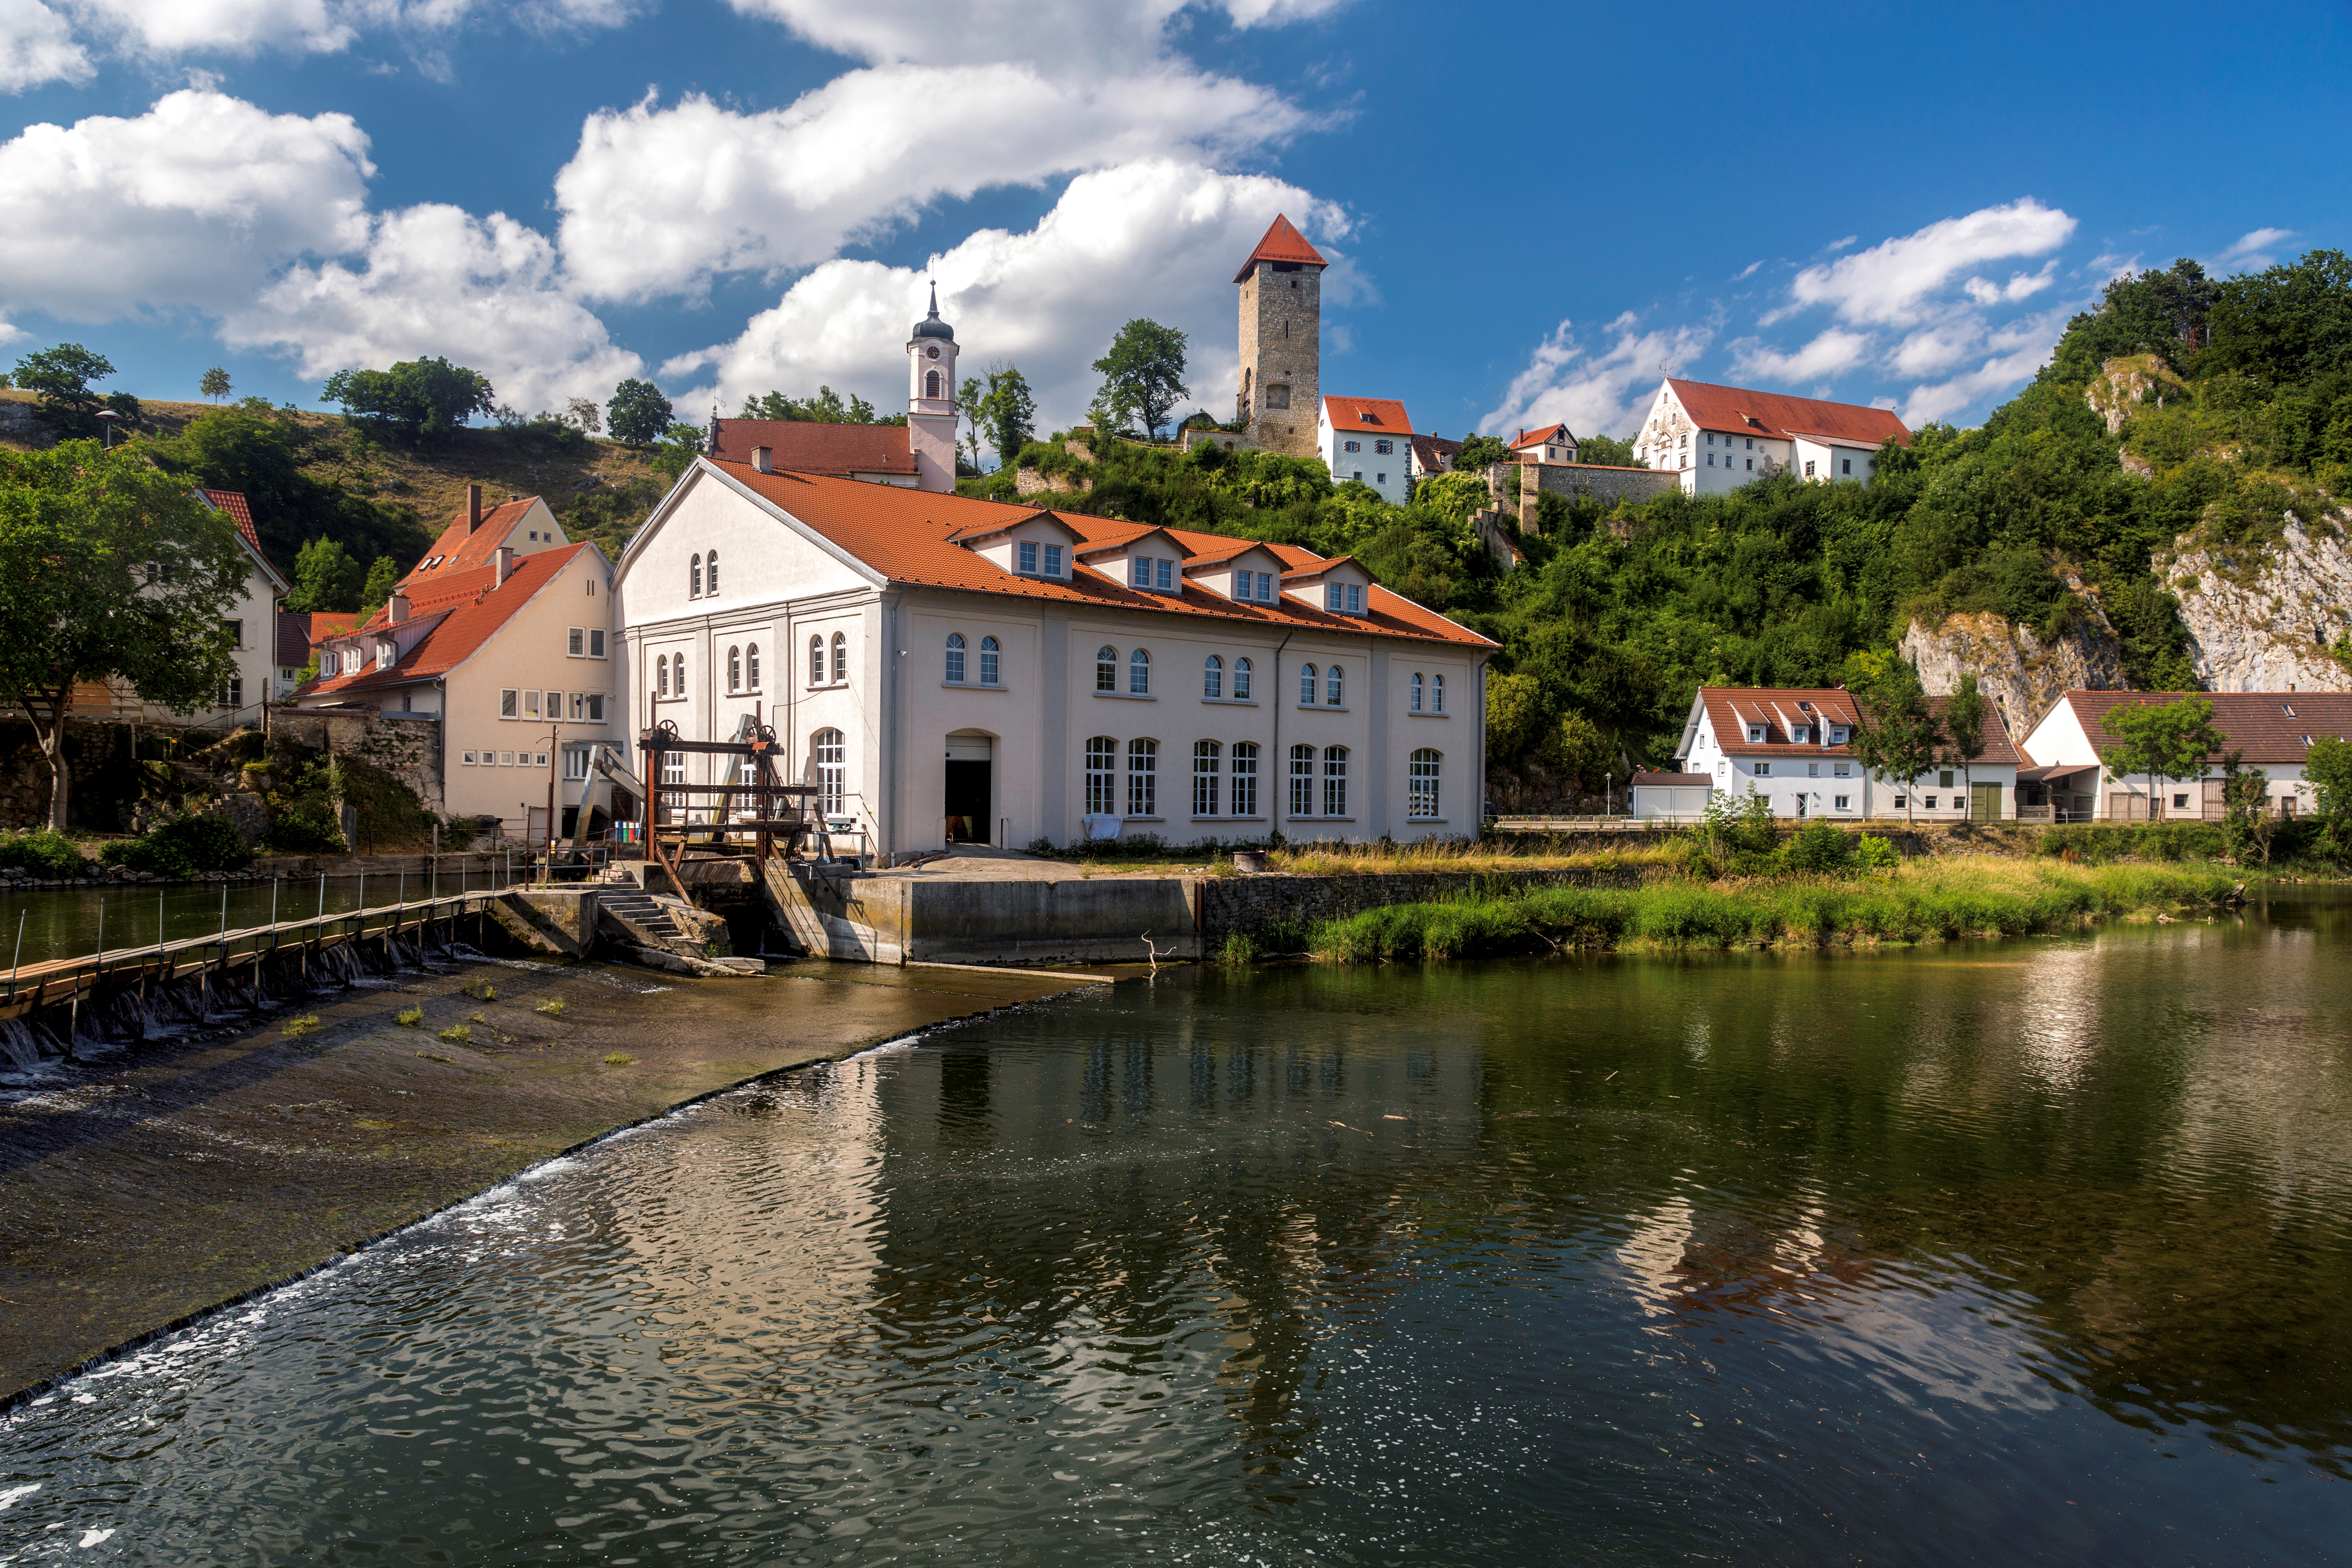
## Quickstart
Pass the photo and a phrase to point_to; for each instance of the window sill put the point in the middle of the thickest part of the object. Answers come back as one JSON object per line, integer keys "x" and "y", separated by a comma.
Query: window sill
{"x": 1410, "y": 714}
{"x": 1425, "y": 821}
{"x": 748, "y": 691}
{"x": 1318, "y": 708}
{"x": 828, "y": 686}
{"x": 1322, "y": 820}
{"x": 1198, "y": 818}
{"x": 972, "y": 686}
{"x": 1143, "y": 819}
{"x": 1128, "y": 697}
{"x": 1231, "y": 701}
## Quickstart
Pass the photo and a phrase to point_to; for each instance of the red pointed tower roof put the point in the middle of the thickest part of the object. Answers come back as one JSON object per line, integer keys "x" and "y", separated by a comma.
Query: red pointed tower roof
{"x": 1283, "y": 242}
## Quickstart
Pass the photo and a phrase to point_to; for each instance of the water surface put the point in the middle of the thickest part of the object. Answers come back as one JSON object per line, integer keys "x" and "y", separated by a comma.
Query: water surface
{"x": 2031, "y": 1251}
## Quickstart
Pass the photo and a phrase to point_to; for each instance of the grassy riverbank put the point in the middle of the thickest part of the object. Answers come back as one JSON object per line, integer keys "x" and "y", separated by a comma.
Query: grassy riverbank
{"x": 1926, "y": 901}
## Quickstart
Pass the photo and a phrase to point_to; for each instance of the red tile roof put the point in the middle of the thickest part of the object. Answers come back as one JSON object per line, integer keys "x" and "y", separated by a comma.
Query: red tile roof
{"x": 806, "y": 446}
{"x": 2268, "y": 726}
{"x": 1732, "y": 709}
{"x": 1282, "y": 243}
{"x": 1539, "y": 437}
{"x": 297, "y": 634}
{"x": 231, "y": 503}
{"x": 469, "y": 613}
{"x": 904, "y": 535}
{"x": 1742, "y": 411}
{"x": 1367, "y": 415}
{"x": 457, "y": 551}
{"x": 1435, "y": 453}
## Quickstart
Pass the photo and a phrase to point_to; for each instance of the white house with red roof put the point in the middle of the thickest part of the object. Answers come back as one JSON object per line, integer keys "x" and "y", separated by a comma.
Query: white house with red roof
{"x": 1368, "y": 441}
{"x": 253, "y": 624}
{"x": 505, "y": 651}
{"x": 1720, "y": 437}
{"x": 1552, "y": 444}
{"x": 947, "y": 668}
{"x": 2273, "y": 731}
{"x": 1794, "y": 746}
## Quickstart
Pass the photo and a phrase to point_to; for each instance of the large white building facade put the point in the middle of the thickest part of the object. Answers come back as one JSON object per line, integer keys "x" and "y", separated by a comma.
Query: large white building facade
{"x": 944, "y": 669}
{"x": 1720, "y": 437}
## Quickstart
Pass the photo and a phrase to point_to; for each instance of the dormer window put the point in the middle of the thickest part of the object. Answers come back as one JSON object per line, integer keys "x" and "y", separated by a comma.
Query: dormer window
{"x": 1837, "y": 734}
{"x": 384, "y": 655}
{"x": 1800, "y": 734}
{"x": 1344, "y": 598}
{"x": 1755, "y": 734}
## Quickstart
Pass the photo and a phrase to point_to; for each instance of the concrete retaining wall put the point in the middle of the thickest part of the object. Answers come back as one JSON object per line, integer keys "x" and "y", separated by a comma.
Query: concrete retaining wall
{"x": 901, "y": 920}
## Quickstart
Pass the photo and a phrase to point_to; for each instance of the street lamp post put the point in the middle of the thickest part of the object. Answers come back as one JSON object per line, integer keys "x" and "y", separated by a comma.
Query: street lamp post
{"x": 109, "y": 415}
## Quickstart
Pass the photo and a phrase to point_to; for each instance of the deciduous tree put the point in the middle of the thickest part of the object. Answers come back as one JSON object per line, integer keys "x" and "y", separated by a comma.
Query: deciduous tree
{"x": 381, "y": 578}
{"x": 1895, "y": 734}
{"x": 2327, "y": 768}
{"x": 215, "y": 385}
{"x": 638, "y": 414}
{"x": 422, "y": 399}
{"x": 1964, "y": 724}
{"x": 109, "y": 570}
{"x": 326, "y": 580}
{"x": 61, "y": 377}
{"x": 2169, "y": 741}
{"x": 1008, "y": 411}
{"x": 1143, "y": 373}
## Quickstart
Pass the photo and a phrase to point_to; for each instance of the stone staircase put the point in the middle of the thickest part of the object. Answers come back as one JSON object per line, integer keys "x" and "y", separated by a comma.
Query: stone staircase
{"x": 644, "y": 918}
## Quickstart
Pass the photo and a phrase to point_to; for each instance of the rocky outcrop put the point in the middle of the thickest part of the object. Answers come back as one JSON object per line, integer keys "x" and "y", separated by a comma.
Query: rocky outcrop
{"x": 2268, "y": 623}
{"x": 2123, "y": 384}
{"x": 2012, "y": 665}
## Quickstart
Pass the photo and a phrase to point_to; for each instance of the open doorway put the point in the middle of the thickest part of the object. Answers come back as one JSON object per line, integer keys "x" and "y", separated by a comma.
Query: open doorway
{"x": 971, "y": 765}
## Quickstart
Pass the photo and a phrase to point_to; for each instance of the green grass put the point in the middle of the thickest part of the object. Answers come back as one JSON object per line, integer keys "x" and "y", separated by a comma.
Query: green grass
{"x": 1929, "y": 902}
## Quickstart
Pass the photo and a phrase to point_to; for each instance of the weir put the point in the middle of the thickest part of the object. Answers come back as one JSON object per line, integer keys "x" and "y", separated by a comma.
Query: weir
{"x": 122, "y": 996}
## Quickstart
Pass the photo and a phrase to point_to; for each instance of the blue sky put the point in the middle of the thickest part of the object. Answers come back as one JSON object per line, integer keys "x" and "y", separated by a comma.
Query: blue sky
{"x": 1530, "y": 209}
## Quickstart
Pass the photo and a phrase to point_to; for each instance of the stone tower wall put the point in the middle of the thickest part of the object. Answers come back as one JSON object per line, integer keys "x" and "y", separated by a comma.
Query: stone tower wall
{"x": 1282, "y": 345}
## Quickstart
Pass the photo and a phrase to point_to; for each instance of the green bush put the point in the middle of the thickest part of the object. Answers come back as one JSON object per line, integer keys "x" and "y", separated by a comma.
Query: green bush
{"x": 306, "y": 828}
{"x": 1822, "y": 849}
{"x": 183, "y": 848}
{"x": 45, "y": 852}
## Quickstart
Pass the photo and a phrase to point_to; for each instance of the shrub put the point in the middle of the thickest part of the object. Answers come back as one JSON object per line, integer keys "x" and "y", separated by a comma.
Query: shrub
{"x": 183, "y": 848}
{"x": 409, "y": 1016}
{"x": 617, "y": 1060}
{"x": 306, "y": 829}
{"x": 1876, "y": 854}
{"x": 458, "y": 1034}
{"x": 553, "y": 1007}
{"x": 302, "y": 1025}
{"x": 48, "y": 852}
{"x": 1820, "y": 849}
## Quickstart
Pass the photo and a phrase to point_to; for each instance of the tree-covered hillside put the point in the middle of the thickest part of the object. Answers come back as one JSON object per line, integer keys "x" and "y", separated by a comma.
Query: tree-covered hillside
{"x": 2237, "y": 403}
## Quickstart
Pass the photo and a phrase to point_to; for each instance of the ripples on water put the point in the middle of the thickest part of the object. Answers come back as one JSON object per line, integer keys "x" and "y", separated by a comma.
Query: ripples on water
{"x": 2031, "y": 1252}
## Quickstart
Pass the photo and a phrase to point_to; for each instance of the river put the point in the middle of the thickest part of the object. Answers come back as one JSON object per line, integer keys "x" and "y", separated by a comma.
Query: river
{"x": 2029, "y": 1251}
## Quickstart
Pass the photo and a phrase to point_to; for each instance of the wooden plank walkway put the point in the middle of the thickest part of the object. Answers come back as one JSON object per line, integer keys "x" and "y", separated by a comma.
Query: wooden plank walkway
{"x": 58, "y": 979}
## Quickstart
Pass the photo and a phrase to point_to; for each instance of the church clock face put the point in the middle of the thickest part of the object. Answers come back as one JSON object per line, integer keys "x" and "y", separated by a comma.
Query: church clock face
{"x": 930, "y": 354}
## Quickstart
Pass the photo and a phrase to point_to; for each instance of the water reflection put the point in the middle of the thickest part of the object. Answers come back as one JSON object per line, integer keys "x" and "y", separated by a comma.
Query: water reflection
{"x": 2032, "y": 1250}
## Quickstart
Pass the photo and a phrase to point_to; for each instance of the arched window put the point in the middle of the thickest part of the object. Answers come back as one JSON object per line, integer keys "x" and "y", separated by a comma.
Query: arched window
{"x": 1335, "y": 781}
{"x": 1302, "y": 780}
{"x": 1241, "y": 680}
{"x": 1205, "y": 778}
{"x": 840, "y": 658}
{"x": 1245, "y": 778}
{"x": 991, "y": 662}
{"x": 1307, "y": 686}
{"x": 1143, "y": 778}
{"x": 734, "y": 669}
{"x": 1438, "y": 694}
{"x": 1414, "y": 702}
{"x": 1106, "y": 669}
{"x": 1421, "y": 783}
{"x": 710, "y": 573}
{"x": 1102, "y": 776}
{"x": 1332, "y": 689}
{"x": 1213, "y": 676}
{"x": 751, "y": 665}
{"x": 816, "y": 661}
{"x": 1139, "y": 673}
{"x": 930, "y": 384}
{"x": 677, "y": 674}
{"x": 661, "y": 675}
{"x": 955, "y": 658}
{"x": 694, "y": 578}
{"x": 829, "y": 764}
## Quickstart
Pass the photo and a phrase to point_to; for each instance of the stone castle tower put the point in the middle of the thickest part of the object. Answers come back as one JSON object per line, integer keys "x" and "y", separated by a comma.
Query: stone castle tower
{"x": 1282, "y": 323}
{"x": 930, "y": 400}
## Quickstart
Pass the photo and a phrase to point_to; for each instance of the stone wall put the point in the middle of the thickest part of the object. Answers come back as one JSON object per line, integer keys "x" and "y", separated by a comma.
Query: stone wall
{"x": 1030, "y": 482}
{"x": 1281, "y": 345}
{"x": 408, "y": 747}
{"x": 1605, "y": 484}
{"x": 102, "y": 785}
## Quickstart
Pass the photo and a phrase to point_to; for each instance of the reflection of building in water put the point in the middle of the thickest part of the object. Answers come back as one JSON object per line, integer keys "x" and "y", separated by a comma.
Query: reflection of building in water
{"x": 1075, "y": 1221}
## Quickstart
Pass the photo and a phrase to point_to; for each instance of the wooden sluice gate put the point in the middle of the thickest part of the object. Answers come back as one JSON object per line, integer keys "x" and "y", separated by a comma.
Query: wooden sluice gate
{"x": 119, "y": 996}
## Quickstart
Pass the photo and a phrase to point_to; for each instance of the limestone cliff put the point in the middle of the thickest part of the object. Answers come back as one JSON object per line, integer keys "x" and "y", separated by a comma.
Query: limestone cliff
{"x": 2266, "y": 619}
{"x": 2123, "y": 384}
{"x": 2012, "y": 665}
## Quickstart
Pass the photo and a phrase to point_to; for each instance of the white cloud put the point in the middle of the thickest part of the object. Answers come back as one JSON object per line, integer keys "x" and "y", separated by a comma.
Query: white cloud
{"x": 1832, "y": 353}
{"x": 10, "y": 333}
{"x": 190, "y": 206}
{"x": 2020, "y": 286}
{"x": 1594, "y": 391}
{"x": 1157, "y": 237}
{"x": 658, "y": 200}
{"x": 2019, "y": 349}
{"x": 230, "y": 26}
{"x": 2252, "y": 252}
{"x": 436, "y": 280}
{"x": 36, "y": 46}
{"x": 1891, "y": 283}
{"x": 1085, "y": 33}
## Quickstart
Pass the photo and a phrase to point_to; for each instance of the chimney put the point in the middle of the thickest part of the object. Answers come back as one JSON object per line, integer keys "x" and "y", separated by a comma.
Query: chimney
{"x": 503, "y": 566}
{"x": 764, "y": 459}
{"x": 473, "y": 509}
{"x": 395, "y": 609}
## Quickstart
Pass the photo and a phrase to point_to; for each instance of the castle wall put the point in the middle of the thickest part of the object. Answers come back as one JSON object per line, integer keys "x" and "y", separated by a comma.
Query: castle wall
{"x": 1281, "y": 352}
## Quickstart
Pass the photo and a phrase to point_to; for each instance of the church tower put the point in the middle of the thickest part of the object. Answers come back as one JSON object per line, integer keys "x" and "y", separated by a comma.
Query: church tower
{"x": 1282, "y": 324}
{"x": 930, "y": 400}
